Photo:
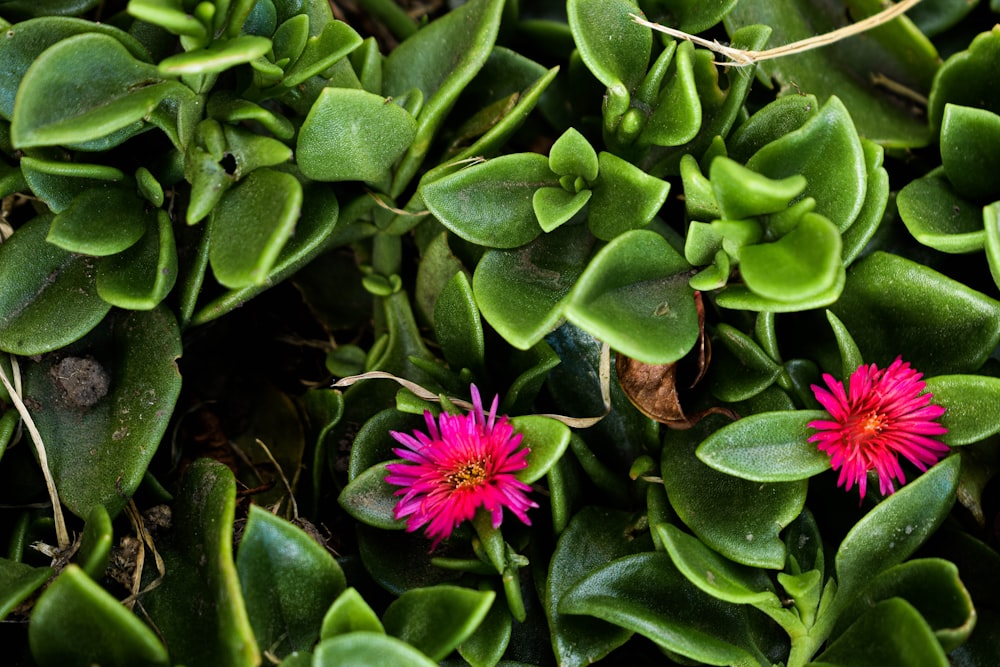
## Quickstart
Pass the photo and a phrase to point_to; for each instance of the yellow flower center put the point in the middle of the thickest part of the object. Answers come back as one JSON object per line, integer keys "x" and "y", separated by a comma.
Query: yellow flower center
{"x": 470, "y": 474}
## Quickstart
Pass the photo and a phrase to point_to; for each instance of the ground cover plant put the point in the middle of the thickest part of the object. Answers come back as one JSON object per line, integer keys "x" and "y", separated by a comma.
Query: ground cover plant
{"x": 499, "y": 332}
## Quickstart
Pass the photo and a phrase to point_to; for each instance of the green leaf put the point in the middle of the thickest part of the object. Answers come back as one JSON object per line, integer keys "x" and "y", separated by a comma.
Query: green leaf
{"x": 436, "y": 619}
{"x": 169, "y": 15}
{"x": 766, "y": 447}
{"x": 594, "y": 537}
{"x": 353, "y": 135}
{"x": 964, "y": 78}
{"x": 801, "y": 265}
{"x": 18, "y": 581}
{"x": 457, "y": 325}
{"x": 369, "y": 498}
{"x": 76, "y": 622}
{"x": 615, "y": 48}
{"x": 641, "y": 593}
{"x": 695, "y": 17}
{"x": 970, "y": 144}
{"x": 486, "y": 646}
{"x": 252, "y": 151}
{"x": 49, "y": 298}
{"x": 892, "y": 531}
{"x": 321, "y": 52}
{"x": 572, "y": 155}
{"x": 894, "y": 306}
{"x": 142, "y": 276}
{"x": 288, "y": 582}
{"x": 547, "y": 439}
{"x": 490, "y": 204}
{"x": 743, "y": 193}
{"x": 634, "y": 295}
{"x": 625, "y": 198}
{"x": 738, "y": 518}
{"x": 715, "y": 575}
{"x": 120, "y": 92}
{"x": 105, "y": 404}
{"x": 250, "y": 226}
{"x": 906, "y": 58}
{"x": 937, "y": 216}
{"x": 554, "y": 206}
{"x": 218, "y": 57}
{"x": 100, "y": 221}
{"x": 969, "y": 402}
{"x": 890, "y": 633}
{"x": 95, "y": 544}
{"x": 740, "y": 369}
{"x": 198, "y": 609}
{"x": 991, "y": 223}
{"x": 349, "y": 613}
{"x": 368, "y": 649}
{"x": 677, "y": 116}
{"x": 850, "y": 356}
{"x": 58, "y": 183}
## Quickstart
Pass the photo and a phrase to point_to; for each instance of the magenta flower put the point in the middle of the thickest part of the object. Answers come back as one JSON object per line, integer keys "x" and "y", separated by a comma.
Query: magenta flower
{"x": 462, "y": 463}
{"x": 885, "y": 415}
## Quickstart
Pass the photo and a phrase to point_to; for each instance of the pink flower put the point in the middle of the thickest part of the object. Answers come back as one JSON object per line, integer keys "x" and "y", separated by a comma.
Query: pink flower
{"x": 884, "y": 415}
{"x": 462, "y": 463}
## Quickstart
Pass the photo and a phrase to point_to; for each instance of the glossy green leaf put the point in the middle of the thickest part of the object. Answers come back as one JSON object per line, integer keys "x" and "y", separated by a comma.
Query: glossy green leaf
{"x": 121, "y": 91}
{"x": 218, "y": 57}
{"x": 252, "y": 151}
{"x": 520, "y": 291}
{"x": 100, "y": 221}
{"x": 970, "y": 401}
{"x": 615, "y": 49}
{"x": 224, "y": 106}
{"x": 353, "y": 135}
{"x": 486, "y": 646}
{"x": 321, "y": 51}
{"x": 677, "y": 116}
{"x": 894, "y": 306}
{"x": 695, "y": 17}
{"x": 594, "y": 537}
{"x": 142, "y": 276}
{"x": 801, "y": 265}
{"x": 250, "y": 226}
{"x": 740, "y": 369}
{"x": 368, "y": 649}
{"x": 18, "y": 581}
{"x": 738, "y": 518}
{"x": 740, "y": 297}
{"x": 625, "y": 198}
{"x": 349, "y": 613}
{"x": 850, "y": 356}
{"x": 890, "y": 633}
{"x": 646, "y": 594}
{"x": 95, "y": 544}
{"x": 843, "y": 69}
{"x": 572, "y": 155}
{"x": 970, "y": 144}
{"x": 991, "y": 223}
{"x": 554, "y": 206}
{"x": 715, "y": 575}
{"x": 289, "y": 38}
{"x": 436, "y": 619}
{"x": 369, "y": 498}
{"x": 49, "y": 298}
{"x": 198, "y": 609}
{"x": 490, "y": 204}
{"x": 288, "y": 582}
{"x": 102, "y": 420}
{"x": 743, "y": 193}
{"x": 546, "y": 438}
{"x": 964, "y": 79}
{"x": 169, "y": 15}
{"x": 58, "y": 183}
{"x": 892, "y": 531}
{"x": 76, "y": 622}
{"x": 767, "y": 447}
{"x": 937, "y": 216}
{"x": 458, "y": 327}
{"x": 634, "y": 295}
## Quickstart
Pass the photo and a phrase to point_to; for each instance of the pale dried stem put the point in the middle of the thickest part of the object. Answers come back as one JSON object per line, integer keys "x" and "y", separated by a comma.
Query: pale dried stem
{"x": 284, "y": 480}
{"x": 62, "y": 536}
{"x": 744, "y": 57}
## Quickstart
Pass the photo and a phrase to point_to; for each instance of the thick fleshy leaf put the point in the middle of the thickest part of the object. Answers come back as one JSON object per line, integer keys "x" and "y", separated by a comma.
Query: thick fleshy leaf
{"x": 736, "y": 517}
{"x": 743, "y": 193}
{"x": 353, "y": 135}
{"x": 486, "y": 646}
{"x": 369, "y": 498}
{"x": 740, "y": 369}
{"x": 49, "y": 297}
{"x": 594, "y": 537}
{"x": 964, "y": 79}
{"x": 95, "y": 544}
{"x": 625, "y": 198}
{"x": 991, "y": 223}
{"x": 100, "y": 221}
{"x": 715, "y": 575}
{"x": 615, "y": 48}
{"x": 520, "y": 291}
{"x": 572, "y": 155}
{"x": 76, "y": 622}
{"x": 801, "y": 265}
{"x": 490, "y": 204}
{"x": 850, "y": 356}
{"x": 251, "y": 225}
{"x": 863, "y": 229}
{"x": 349, "y": 613}
{"x": 436, "y": 619}
{"x": 120, "y": 92}
{"x": 695, "y": 17}
{"x": 904, "y": 55}
{"x": 105, "y": 404}
{"x": 547, "y": 439}
{"x": 218, "y": 57}
{"x": 894, "y": 306}
{"x": 198, "y": 609}
{"x": 58, "y": 183}
{"x": 646, "y": 594}
{"x": 368, "y": 649}
{"x": 971, "y": 403}
{"x": 634, "y": 295}
{"x": 890, "y": 633}
{"x": 766, "y": 447}
{"x": 18, "y": 581}
{"x": 142, "y": 276}
{"x": 938, "y": 216}
{"x": 457, "y": 325}
{"x": 554, "y": 206}
{"x": 677, "y": 116}
{"x": 288, "y": 582}
{"x": 970, "y": 151}
{"x": 897, "y": 526}
{"x": 321, "y": 51}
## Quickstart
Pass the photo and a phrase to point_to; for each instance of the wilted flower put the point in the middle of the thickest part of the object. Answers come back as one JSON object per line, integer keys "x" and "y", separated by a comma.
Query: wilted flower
{"x": 462, "y": 463}
{"x": 882, "y": 416}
